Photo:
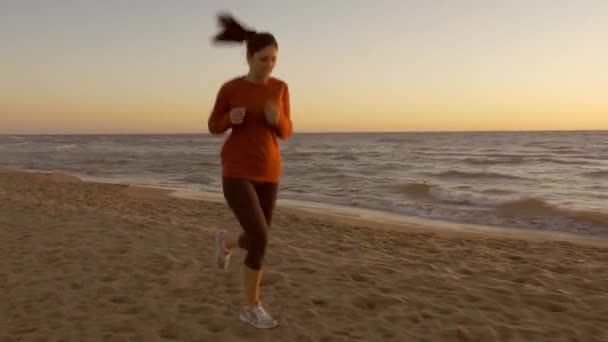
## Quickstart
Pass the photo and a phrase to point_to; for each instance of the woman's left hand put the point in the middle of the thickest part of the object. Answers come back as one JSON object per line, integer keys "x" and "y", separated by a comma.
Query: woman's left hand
{"x": 272, "y": 114}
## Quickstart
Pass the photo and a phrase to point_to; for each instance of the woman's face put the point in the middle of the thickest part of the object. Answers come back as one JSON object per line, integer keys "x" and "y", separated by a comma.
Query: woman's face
{"x": 263, "y": 61}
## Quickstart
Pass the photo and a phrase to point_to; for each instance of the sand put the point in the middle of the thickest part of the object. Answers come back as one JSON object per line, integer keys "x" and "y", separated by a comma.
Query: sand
{"x": 83, "y": 261}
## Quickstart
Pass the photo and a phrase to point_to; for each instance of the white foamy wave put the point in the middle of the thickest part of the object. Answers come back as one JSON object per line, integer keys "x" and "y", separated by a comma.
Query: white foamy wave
{"x": 66, "y": 147}
{"x": 434, "y": 193}
{"x": 521, "y": 207}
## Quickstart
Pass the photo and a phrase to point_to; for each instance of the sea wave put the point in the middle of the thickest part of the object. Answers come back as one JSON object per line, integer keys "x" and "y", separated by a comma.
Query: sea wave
{"x": 67, "y": 147}
{"x": 526, "y": 206}
{"x": 475, "y": 175}
{"x": 495, "y": 161}
{"x": 568, "y": 150}
{"x": 345, "y": 157}
{"x": 497, "y": 192}
{"x": 197, "y": 179}
{"x": 16, "y": 143}
{"x": 596, "y": 174}
{"x": 101, "y": 161}
{"x": 564, "y": 161}
{"x": 397, "y": 140}
{"x": 423, "y": 191}
{"x": 542, "y": 143}
{"x": 531, "y": 207}
{"x": 522, "y": 207}
{"x": 417, "y": 190}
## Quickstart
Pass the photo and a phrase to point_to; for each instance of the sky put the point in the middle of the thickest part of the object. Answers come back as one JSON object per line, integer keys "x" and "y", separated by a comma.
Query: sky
{"x": 352, "y": 65}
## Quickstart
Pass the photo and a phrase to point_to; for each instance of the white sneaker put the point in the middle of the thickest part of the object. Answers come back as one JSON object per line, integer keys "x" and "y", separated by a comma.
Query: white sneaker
{"x": 257, "y": 316}
{"x": 222, "y": 254}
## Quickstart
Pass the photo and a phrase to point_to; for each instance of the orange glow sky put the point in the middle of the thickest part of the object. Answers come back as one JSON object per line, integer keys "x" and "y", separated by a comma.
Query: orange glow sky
{"x": 149, "y": 67}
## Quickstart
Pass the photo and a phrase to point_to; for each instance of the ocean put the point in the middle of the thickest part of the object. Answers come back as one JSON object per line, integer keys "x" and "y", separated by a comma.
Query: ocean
{"x": 553, "y": 181}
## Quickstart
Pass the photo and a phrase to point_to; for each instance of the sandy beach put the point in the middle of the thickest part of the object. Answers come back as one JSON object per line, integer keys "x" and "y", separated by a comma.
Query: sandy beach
{"x": 83, "y": 261}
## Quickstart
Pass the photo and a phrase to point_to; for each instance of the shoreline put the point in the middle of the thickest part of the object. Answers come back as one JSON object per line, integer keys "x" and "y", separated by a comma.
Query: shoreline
{"x": 391, "y": 221}
{"x": 355, "y": 215}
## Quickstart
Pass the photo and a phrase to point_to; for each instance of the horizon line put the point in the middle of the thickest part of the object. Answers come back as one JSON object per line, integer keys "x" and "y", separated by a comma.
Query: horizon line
{"x": 320, "y": 132}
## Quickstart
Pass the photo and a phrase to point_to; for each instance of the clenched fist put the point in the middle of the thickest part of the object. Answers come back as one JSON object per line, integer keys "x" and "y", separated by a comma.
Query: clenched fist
{"x": 272, "y": 113}
{"x": 237, "y": 115}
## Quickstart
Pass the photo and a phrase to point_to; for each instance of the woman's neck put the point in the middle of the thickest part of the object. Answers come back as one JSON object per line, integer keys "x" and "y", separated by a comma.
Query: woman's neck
{"x": 254, "y": 79}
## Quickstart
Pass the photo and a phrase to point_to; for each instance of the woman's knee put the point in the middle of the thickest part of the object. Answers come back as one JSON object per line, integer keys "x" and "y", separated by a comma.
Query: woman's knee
{"x": 256, "y": 249}
{"x": 267, "y": 194}
{"x": 258, "y": 242}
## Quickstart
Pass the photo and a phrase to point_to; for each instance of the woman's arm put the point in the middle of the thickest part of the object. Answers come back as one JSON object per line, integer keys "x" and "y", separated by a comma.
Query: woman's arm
{"x": 219, "y": 120}
{"x": 285, "y": 126}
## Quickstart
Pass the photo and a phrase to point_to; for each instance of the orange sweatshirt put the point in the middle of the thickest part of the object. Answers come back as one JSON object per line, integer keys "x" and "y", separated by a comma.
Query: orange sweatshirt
{"x": 251, "y": 151}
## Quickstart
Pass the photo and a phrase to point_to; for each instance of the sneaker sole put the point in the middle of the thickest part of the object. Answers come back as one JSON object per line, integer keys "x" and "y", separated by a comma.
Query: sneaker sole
{"x": 244, "y": 320}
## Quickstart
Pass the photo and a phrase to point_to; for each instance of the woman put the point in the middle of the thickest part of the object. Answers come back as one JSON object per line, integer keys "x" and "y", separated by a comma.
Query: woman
{"x": 256, "y": 108}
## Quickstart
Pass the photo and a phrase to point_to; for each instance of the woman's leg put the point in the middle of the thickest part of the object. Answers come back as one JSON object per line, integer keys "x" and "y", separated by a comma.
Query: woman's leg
{"x": 244, "y": 202}
{"x": 242, "y": 198}
{"x": 267, "y": 195}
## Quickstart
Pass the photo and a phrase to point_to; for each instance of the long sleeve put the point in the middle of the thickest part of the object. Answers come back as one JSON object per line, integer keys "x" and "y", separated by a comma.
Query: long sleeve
{"x": 252, "y": 150}
{"x": 219, "y": 120}
{"x": 285, "y": 128}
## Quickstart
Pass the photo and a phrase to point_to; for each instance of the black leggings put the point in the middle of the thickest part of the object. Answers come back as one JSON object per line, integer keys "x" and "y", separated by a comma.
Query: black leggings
{"x": 253, "y": 204}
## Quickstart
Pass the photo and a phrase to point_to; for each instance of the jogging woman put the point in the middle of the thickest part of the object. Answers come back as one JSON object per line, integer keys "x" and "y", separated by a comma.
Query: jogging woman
{"x": 256, "y": 108}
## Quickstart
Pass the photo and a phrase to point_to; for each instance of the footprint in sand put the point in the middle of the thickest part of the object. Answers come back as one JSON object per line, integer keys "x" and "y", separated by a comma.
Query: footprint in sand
{"x": 304, "y": 338}
{"x": 393, "y": 318}
{"x": 118, "y": 250}
{"x": 319, "y": 302}
{"x": 105, "y": 291}
{"x": 131, "y": 309}
{"x": 76, "y": 285}
{"x": 110, "y": 277}
{"x": 194, "y": 309}
{"x": 375, "y": 301}
{"x": 123, "y": 327}
{"x": 169, "y": 331}
{"x": 214, "y": 325}
{"x": 233, "y": 291}
{"x": 361, "y": 278}
{"x": 119, "y": 299}
{"x": 50, "y": 298}
{"x": 386, "y": 333}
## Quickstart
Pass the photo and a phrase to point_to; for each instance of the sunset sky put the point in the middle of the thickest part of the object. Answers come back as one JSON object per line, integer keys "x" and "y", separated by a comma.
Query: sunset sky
{"x": 352, "y": 65}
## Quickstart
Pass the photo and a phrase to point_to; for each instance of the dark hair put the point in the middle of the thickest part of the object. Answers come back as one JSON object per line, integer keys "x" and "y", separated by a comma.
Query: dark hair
{"x": 233, "y": 31}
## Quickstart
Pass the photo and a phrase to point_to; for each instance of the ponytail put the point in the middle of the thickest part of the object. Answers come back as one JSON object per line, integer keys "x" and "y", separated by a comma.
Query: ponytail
{"x": 233, "y": 31}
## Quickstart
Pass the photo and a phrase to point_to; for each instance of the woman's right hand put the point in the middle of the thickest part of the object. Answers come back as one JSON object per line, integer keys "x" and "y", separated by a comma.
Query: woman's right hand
{"x": 237, "y": 115}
